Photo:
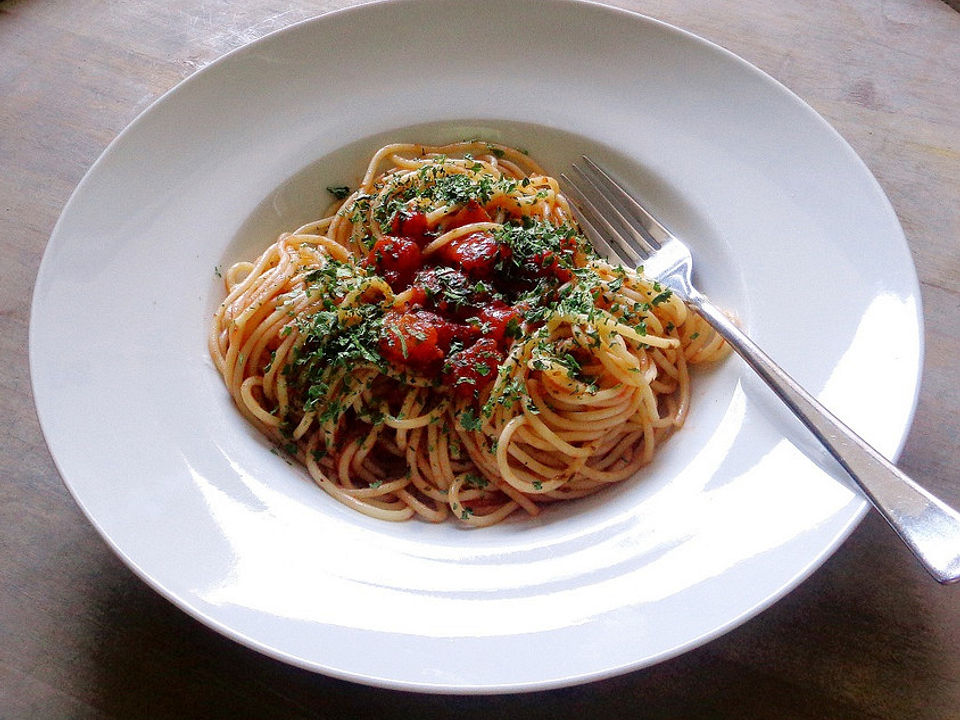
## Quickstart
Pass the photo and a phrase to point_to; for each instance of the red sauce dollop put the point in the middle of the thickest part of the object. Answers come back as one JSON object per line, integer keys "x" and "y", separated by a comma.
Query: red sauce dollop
{"x": 397, "y": 259}
{"x": 456, "y": 321}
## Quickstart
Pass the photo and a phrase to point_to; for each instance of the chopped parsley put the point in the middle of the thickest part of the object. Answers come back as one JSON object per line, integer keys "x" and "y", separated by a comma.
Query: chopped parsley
{"x": 477, "y": 481}
{"x": 469, "y": 421}
{"x": 662, "y": 297}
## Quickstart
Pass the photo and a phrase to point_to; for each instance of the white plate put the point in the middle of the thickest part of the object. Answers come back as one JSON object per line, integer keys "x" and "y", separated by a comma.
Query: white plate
{"x": 791, "y": 233}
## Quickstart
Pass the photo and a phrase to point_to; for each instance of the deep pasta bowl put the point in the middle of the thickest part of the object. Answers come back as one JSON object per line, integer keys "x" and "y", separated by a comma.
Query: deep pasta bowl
{"x": 737, "y": 508}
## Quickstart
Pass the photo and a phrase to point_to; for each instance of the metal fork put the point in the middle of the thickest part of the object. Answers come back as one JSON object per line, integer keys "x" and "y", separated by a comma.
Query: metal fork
{"x": 623, "y": 230}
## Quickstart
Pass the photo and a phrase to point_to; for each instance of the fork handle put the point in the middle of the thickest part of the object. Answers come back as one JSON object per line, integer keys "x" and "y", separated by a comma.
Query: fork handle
{"x": 929, "y": 527}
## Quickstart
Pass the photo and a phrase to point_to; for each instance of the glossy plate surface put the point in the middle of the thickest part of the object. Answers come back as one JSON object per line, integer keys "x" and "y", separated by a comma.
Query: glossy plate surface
{"x": 790, "y": 231}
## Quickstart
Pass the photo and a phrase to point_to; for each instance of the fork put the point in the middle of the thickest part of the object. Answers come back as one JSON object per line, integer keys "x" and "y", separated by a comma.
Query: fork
{"x": 621, "y": 229}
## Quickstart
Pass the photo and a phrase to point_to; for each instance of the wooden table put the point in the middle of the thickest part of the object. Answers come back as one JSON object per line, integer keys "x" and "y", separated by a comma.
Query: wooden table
{"x": 868, "y": 636}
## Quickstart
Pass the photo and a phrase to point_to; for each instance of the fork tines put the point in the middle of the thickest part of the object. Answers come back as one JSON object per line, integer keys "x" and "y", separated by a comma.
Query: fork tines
{"x": 618, "y": 225}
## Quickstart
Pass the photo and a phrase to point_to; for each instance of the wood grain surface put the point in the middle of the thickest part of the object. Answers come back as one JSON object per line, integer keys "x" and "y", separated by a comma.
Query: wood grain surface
{"x": 867, "y": 636}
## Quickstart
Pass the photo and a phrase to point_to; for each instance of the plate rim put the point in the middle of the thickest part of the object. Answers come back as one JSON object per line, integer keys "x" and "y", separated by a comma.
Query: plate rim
{"x": 183, "y": 604}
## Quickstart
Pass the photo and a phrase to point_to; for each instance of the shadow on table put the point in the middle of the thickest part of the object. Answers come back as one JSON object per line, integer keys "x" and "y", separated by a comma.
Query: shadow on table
{"x": 838, "y": 646}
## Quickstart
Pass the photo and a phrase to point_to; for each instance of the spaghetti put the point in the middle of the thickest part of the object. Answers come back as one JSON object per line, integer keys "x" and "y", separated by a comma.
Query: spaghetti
{"x": 445, "y": 342}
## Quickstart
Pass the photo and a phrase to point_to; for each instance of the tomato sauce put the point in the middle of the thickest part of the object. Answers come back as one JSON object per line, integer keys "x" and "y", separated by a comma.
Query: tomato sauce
{"x": 458, "y": 321}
